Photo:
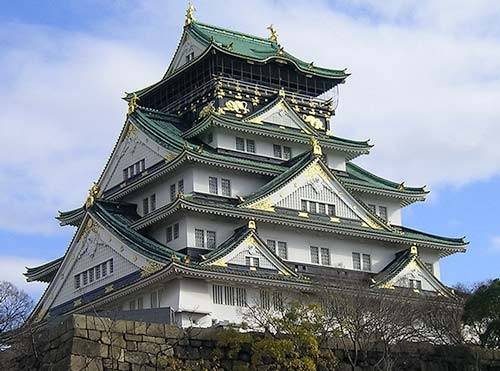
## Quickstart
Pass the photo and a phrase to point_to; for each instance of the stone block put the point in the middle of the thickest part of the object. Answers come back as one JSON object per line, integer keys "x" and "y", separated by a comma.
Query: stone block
{"x": 104, "y": 350}
{"x": 79, "y": 321}
{"x": 138, "y": 358}
{"x": 123, "y": 366}
{"x": 130, "y": 327}
{"x": 117, "y": 353}
{"x": 90, "y": 323}
{"x": 172, "y": 332}
{"x": 120, "y": 326}
{"x": 155, "y": 329}
{"x": 117, "y": 340}
{"x": 132, "y": 337}
{"x": 140, "y": 328}
{"x": 81, "y": 333}
{"x": 151, "y": 339}
{"x": 151, "y": 348}
{"x": 131, "y": 345}
{"x": 105, "y": 337}
{"x": 94, "y": 334}
{"x": 85, "y": 347}
{"x": 103, "y": 324}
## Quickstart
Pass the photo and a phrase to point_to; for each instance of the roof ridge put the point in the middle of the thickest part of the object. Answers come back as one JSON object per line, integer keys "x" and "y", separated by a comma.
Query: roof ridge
{"x": 230, "y": 31}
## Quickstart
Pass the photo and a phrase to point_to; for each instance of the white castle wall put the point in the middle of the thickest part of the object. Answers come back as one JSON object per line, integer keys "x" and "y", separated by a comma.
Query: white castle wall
{"x": 393, "y": 206}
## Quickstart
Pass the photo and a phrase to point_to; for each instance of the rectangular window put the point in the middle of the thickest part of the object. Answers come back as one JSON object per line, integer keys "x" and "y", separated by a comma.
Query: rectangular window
{"x": 137, "y": 166}
{"x": 287, "y": 153}
{"x": 145, "y": 206}
{"x": 251, "y": 145}
{"x": 331, "y": 210}
{"x": 143, "y": 164}
{"x": 277, "y": 150}
{"x": 303, "y": 205}
{"x": 251, "y": 261}
{"x": 77, "y": 281}
{"x": 416, "y": 284}
{"x": 180, "y": 186}
{"x": 356, "y": 261}
{"x": 272, "y": 245}
{"x": 98, "y": 272}
{"x": 154, "y": 299}
{"x": 111, "y": 266}
{"x": 173, "y": 192}
{"x": 217, "y": 294}
{"x": 312, "y": 207}
{"x": 321, "y": 208}
{"x": 176, "y": 231}
{"x": 367, "y": 262}
{"x": 382, "y": 211}
{"x": 282, "y": 250}
{"x": 91, "y": 275}
{"x": 229, "y": 297}
{"x": 169, "y": 233}
{"x": 226, "y": 187}
{"x": 211, "y": 240}
{"x": 125, "y": 174}
{"x": 314, "y": 255}
{"x": 240, "y": 144}
{"x": 325, "y": 256}
{"x": 212, "y": 185}
{"x": 104, "y": 267}
{"x": 152, "y": 202}
{"x": 265, "y": 299}
{"x": 241, "y": 297}
{"x": 199, "y": 238}
{"x": 85, "y": 278}
{"x": 373, "y": 208}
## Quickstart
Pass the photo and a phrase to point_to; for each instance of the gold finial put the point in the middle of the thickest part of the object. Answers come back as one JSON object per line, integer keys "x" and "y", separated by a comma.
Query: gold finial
{"x": 281, "y": 92}
{"x": 316, "y": 148}
{"x": 413, "y": 250}
{"x": 274, "y": 34}
{"x": 310, "y": 65}
{"x": 251, "y": 224}
{"x": 93, "y": 194}
{"x": 132, "y": 104}
{"x": 401, "y": 186}
{"x": 189, "y": 14}
{"x": 187, "y": 259}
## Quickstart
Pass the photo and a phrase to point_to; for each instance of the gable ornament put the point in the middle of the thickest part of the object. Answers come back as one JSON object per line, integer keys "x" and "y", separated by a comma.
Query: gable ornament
{"x": 316, "y": 148}
{"x": 273, "y": 37}
{"x": 94, "y": 192}
{"x": 189, "y": 14}
{"x": 133, "y": 104}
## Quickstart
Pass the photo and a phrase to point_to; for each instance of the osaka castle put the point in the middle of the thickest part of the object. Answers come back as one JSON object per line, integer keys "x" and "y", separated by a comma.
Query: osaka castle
{"x": 228, "y": 187}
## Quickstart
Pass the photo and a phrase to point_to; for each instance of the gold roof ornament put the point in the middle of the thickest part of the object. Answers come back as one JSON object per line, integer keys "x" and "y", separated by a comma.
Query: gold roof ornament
{"x": 274, "y": 34}
{"x": 94, "y": 192}
{"x": 401, "y": 186}
{"x": 251, "y": 225}
{"x": 189, "y": 14}
{"x": 281, "y": 92}
{"x": 316, "y": 148}
{"x": 132, "y": 104}
{"x": 414, "y": 250}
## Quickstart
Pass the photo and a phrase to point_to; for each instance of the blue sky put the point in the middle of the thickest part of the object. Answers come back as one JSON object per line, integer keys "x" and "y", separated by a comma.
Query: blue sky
{"x": 425, "y": 88}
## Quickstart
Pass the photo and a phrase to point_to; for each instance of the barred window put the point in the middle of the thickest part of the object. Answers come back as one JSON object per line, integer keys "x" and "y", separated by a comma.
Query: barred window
{"x": 265, "y": 299}
{"x": 229, "y": 297}
{"x": 145, "y": 206}
{"x": 282, "y": 250}
{"x": 356, "y": 261}
{"x": 240, "y": 144}
{"x": 98, "y": 272}
{"x": 314, "y": 255}
{"x": 325, "y": 256}
{"x": 91, "y": 275}
{"x": 110, "y": 266}
{"x": 277, "y": 150}
{"x": 217, "y": 294}
{"x": 199, "y": 238}
{"x": 77, "y": 281}
{"x": 176, "y": 231}
{"x": 251, "y": 261}
{"x": 104, "y": 267}
{"x": 85, "y": 278}
{"x": 287, "y": 153}
{"x": 125, "y": 174}
{"x": 382, "y": 210}
{"x": 278, "y": 301}
{"x": 173, "y": 192}
{"x": 331, "y": 210}
{"x": 226, "y": 187}
{"x": 367, "y": 262}
{"x": 303, "y": 205}
{"x": 241, "y": 297}
{"x": 312, "y": 206}
{"x": 416, "y": 284}
{"x": 251, "y": 145}
{"x": 143, "y": 164}
{"x": 169, "y": 233}
{"x": 272, "y": 245}
{"x": 211, "y": 239}
{"x": 212, "y": 185}
{"x": 152, "y": 202}
{"x": 180, "y": 186}
{"x": 321, "y": 208}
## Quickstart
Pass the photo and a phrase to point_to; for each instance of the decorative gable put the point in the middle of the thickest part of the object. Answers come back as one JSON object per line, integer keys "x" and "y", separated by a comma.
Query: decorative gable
{"x": 316, "y": 184}
{"x": 189, "y": 49}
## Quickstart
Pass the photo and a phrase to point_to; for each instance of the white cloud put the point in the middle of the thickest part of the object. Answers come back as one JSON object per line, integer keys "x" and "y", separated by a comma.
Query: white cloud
{"x": 12, "y": 269}
{"x": 424, "y": 88}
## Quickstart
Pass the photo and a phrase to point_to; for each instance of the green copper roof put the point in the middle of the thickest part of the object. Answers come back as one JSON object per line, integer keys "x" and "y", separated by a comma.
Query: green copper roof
{"x": 45, "y": 272}
{"x": 254, "y": 48}
{"x": 71, "y": 217}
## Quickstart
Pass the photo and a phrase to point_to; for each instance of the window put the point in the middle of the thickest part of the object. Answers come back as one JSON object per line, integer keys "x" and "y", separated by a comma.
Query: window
{"x": 180, "y": 186}
{"x": 134, "y": 169}
{"x": 317, "y": 207}
{"x": 271, "y": 244}
{"x": 303, "y": 205}
{"x": 226, "y": 187}
{"x": 91, "y": 275}
{"x": 373, "y": 208}
{"x": 277, "y": 150}
{"x": 287, "y": 153}
{"x": 169, "y": 234}
{"x": 154, "y": 299}
{"x": 110, "y": 261}
{"x": 85, "y": 278}
{"x": 331, "y": 210}
{"x": 314, "y": 255}
{"x": 382, "y": 212}
{"x": 278, "y": 302}
{"x": 251, "y": 261}
{"x": 98, "y": 272}
{"x": 356, "y": 261}
{"x": 430, "y": 267}
{"x": 176, "y": 231}
{"x": 229, "y": 295}
{"x": 251, "y": 145}
{"x": 173, "y": 192}
{"x": 199, "y": 238}
{"x": 212, "y": 185}
{"x": 282, "y": 250}
{"x": 189, "y": 57}
{"x": 321, "y": 208}
{"x": 145, "y": 206}
{"x": 265, "y": 299}
{"x": 211, "y": 240}
{"x": 312, "y": 207}
{"x": 325, "y": 256}
{"x": 240, "y": 144}
{"x": 367, "y": 262}
{"x": 77, "y": 281}
{"x": 416, "y": 284}
{"x": 152, "y": 202}
{"x": 104, "y": 267}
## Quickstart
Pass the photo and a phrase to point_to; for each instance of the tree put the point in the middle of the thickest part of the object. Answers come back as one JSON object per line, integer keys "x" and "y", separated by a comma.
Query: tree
{"x": 482, "y": 314}
{"x": 15, "y": 306}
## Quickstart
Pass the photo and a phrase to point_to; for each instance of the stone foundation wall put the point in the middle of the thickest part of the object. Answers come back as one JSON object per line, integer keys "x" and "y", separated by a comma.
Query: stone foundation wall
{"x": 93, "y": 343}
